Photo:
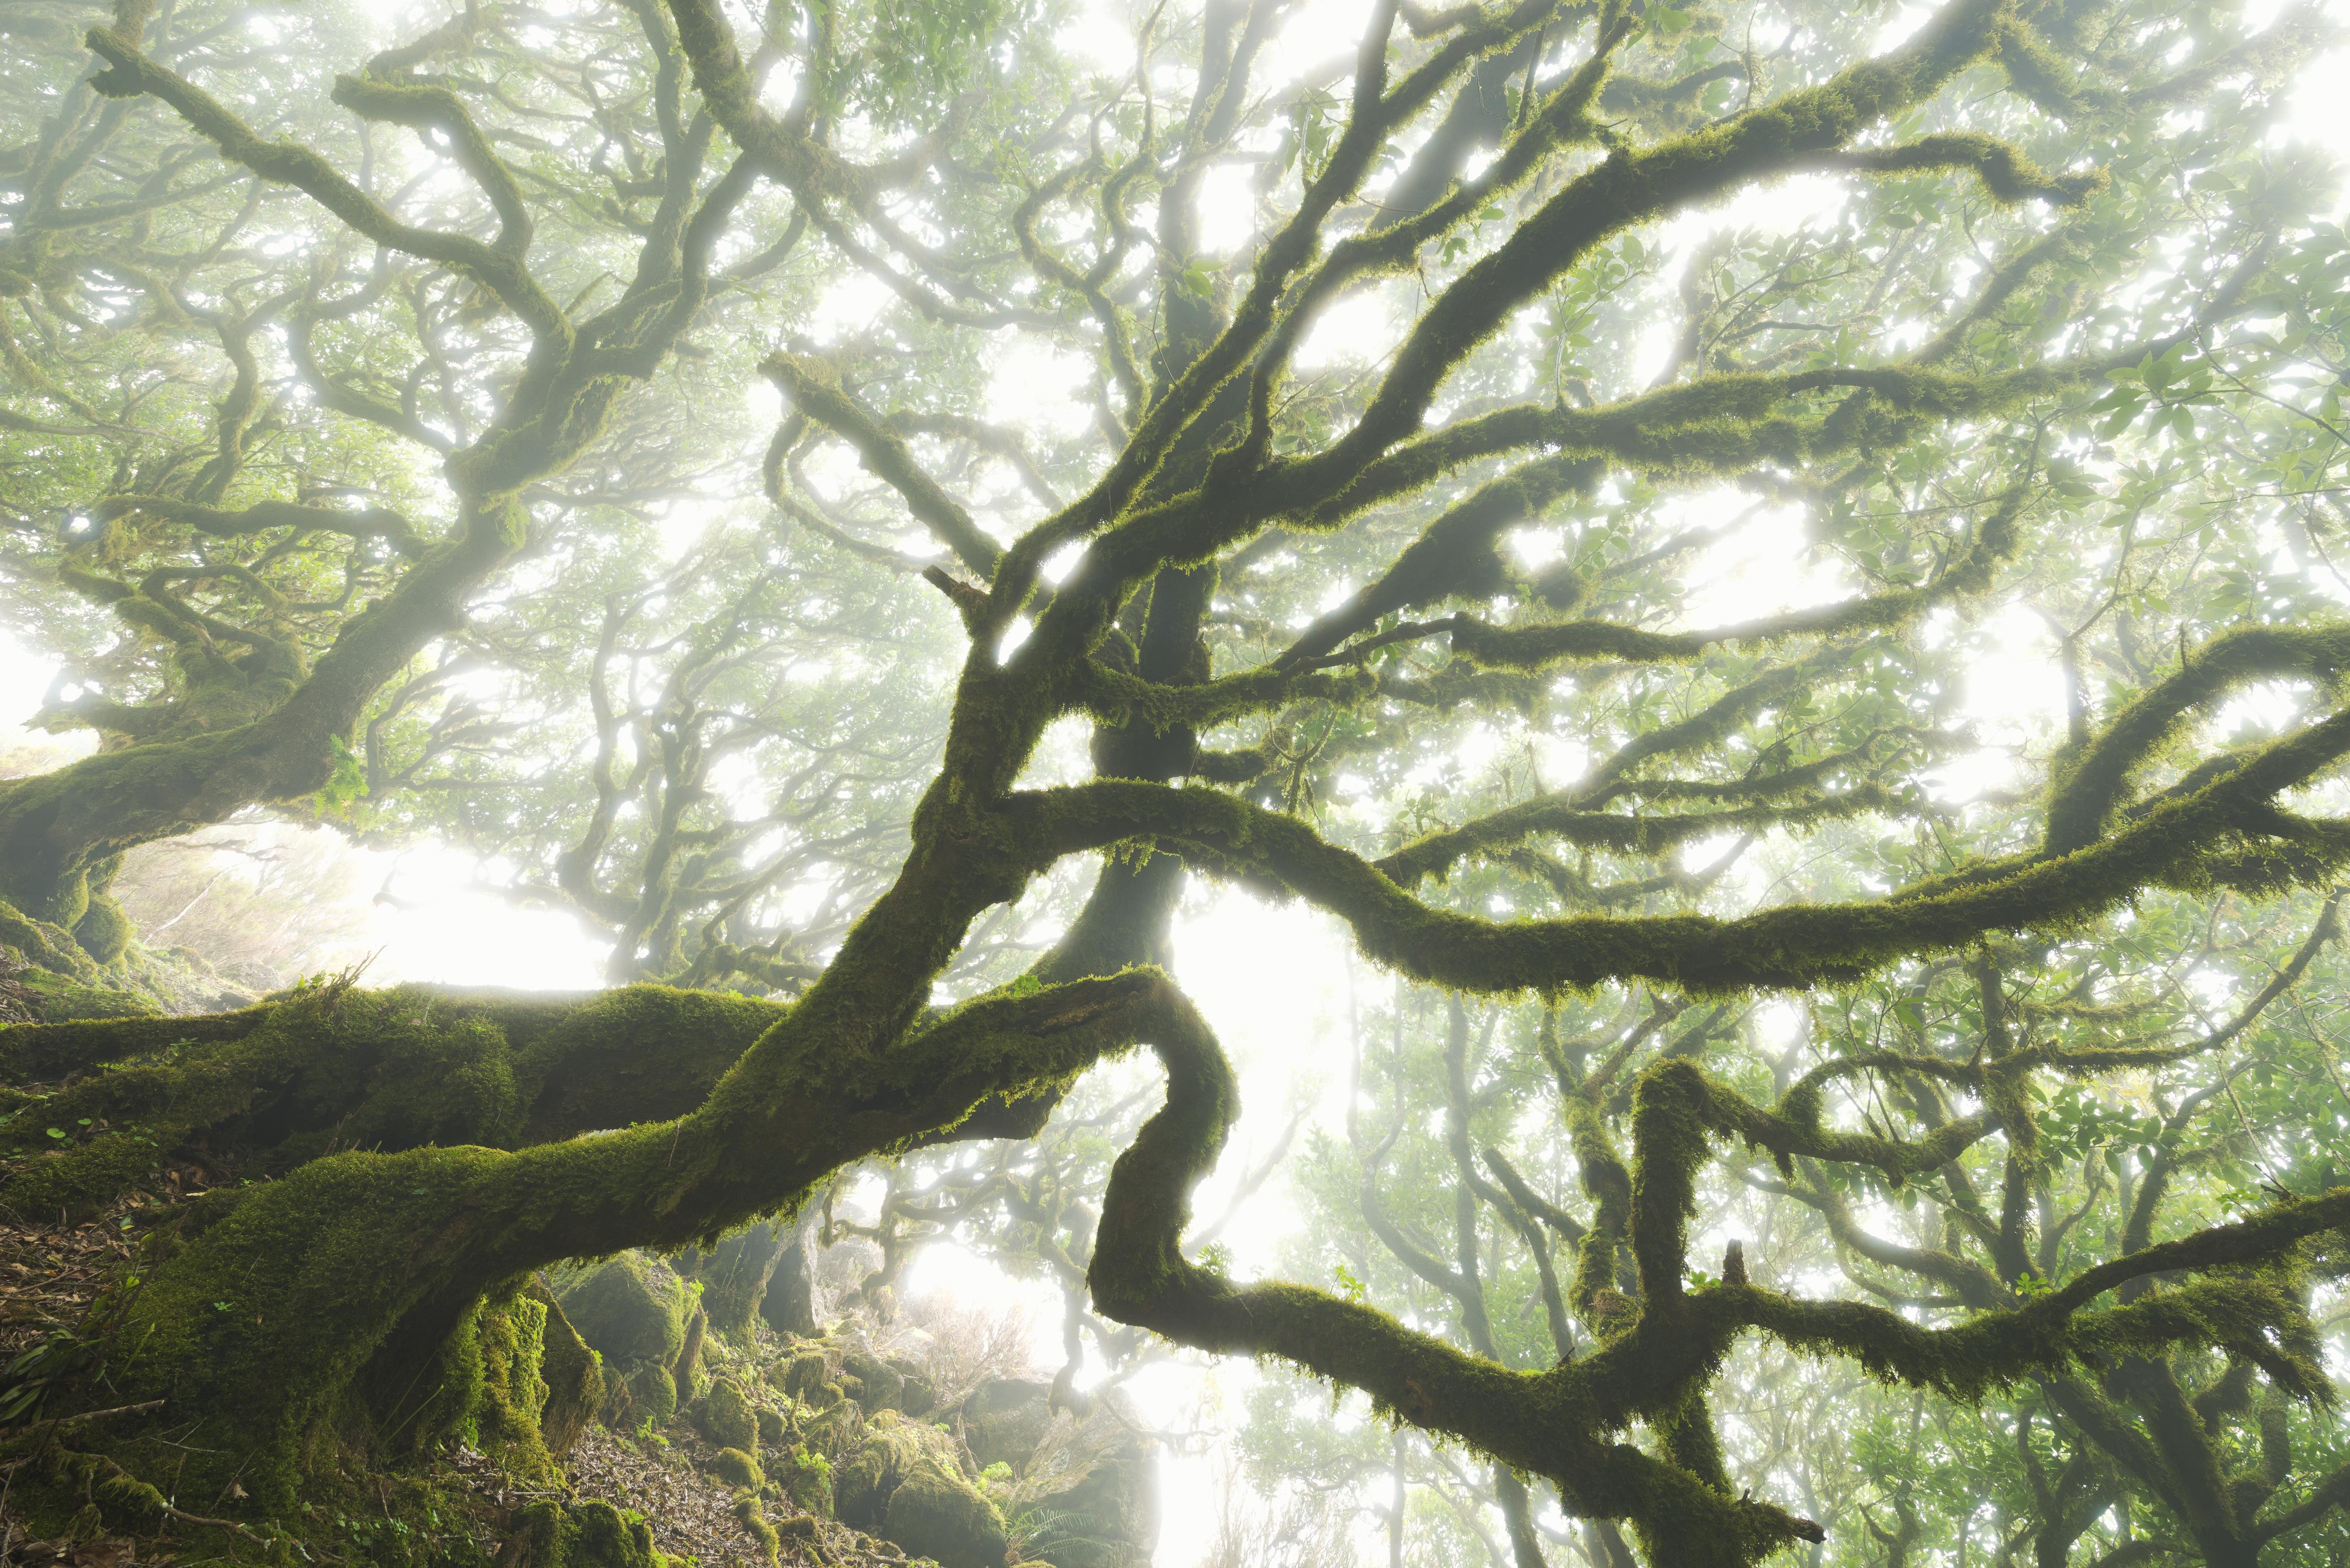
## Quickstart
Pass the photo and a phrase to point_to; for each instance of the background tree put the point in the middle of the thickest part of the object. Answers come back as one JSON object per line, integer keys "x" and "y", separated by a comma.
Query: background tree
{"x": 1435, "y": 639}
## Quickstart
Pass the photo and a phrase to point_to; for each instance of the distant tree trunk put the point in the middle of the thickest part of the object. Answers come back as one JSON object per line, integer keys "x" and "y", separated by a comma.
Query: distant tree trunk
{"x": 789, "y": 1304}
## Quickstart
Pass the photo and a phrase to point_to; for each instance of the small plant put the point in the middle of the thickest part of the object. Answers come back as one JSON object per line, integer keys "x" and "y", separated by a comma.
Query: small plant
{"x": 1047, "y": 1533}
{"x": 27, "y": 1388}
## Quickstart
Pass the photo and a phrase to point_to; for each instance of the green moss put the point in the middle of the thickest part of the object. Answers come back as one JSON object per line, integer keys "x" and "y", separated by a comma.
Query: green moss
{"x": 737, "y": 1467}
{"x": 104, "y": 932}
{"x": 63, "y": 999}
{"x": 755, "y": 1519}
{"x": 727, "y": 1417}
{"x": 511, "y": 1331}
{"x": 574, "y": 1377}
{"x": 553, "y": 1534}
{"x": 629, "y": 1309}
{"x": 904, "y": 1483}
{"x": 685, "y": 1371}
{"x": 807, "y": 1371}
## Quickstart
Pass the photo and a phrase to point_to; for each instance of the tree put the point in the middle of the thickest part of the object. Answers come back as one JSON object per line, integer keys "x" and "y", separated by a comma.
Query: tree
{"x": 2069, "y": 344}
{"x": 508, "y": 387}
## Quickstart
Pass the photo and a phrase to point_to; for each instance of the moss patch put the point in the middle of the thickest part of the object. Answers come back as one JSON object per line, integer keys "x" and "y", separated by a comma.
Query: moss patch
{"x": 904, "y": 1482}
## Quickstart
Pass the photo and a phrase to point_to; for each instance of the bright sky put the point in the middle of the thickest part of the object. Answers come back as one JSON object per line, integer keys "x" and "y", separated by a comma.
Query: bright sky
{"x": 1275, "y": 982}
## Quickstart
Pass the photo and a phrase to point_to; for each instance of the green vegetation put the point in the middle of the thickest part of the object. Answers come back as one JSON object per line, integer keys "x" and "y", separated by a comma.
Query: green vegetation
{"x": 715, "y": 469}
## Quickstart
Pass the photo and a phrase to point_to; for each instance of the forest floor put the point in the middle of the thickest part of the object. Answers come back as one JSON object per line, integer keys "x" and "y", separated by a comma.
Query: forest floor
{"x": 49, "y": 1274}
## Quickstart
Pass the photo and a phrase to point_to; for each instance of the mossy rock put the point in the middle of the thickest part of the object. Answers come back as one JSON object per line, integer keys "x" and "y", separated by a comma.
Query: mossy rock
{"x": 878, "y": 1387}
{"x": 574, "y": 1378}
{"x": 904, "y": 1483}
{"x": 1004, "y": 1418}
{"x": 807, "y": 1371}
{"x": 738, "y": 1467}
{"x": 734, "y": 1275}
{"x": 774, "y": 1430}
{"x": 686, "y": 1369}
{"x": 579, "y": 1535}
{"x": 805, "y": 1477}
{"x": 937, "y": 1513}
{"x": 835, "y": 1431}
{"x": 1109, "y": 1519}
{"x": 727, "y": 1417}
{"x": 755, "y": 1519}
{"x": 630, "y": 1309}
{"x": 917, "y": 1395}
{"x": 652, "y": 1395}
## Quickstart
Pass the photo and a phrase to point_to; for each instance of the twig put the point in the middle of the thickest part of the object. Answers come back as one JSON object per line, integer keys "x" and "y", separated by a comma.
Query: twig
{"x": 101, "y": 1414}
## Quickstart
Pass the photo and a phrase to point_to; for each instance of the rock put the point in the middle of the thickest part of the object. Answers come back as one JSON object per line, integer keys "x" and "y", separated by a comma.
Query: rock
{"x": 789, "y": 1301}
{"x": 687, "y": 1368}
{"x": 755, "y": 1519}
{"x": 1004, "y": 1418}
{"x": 809, "y": 1370}
{"x": 727, "y": 1417}
{"x": 736, "y": 1467}
{"x": 633, "y": 1312}
{"x": 1108, "y": 1514}
{"x": 605, "y": 1538}
{"x": 1110, "y": 1517}
{"x": 805, "y": 1477}
{"x": 836, "y": 1430}
{"x": 734, "y": 1275}
{"x": 575, "y": 1382}
{"x": 904, "y": 1484}
{"x": 880, "y": 1386}
{"x": 630, "y": 1309}
{"x": 918, "y": 1396}
{"x": 937, "y": 1513}
{"x": 104, "y": 931}
{"x": 773, "y": 1430}
{"x": 577, "y": 1535}
{"x": 646, "y": 1397}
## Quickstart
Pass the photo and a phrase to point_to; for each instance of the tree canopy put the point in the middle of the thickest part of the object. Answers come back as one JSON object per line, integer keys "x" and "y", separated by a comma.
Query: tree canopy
{"x": 1773, "y": 566}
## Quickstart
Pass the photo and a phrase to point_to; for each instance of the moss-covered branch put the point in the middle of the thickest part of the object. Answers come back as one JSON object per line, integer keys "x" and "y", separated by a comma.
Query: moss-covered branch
{"x": 331, "y": 1066}
{"x": 815, "y": 390}
{"x": 1560, "y": 1424}
{"x": 497, "y": 267}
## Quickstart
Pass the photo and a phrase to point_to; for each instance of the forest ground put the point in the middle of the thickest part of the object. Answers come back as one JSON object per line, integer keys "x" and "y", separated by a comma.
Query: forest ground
{"x": 49, "y": 1274}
